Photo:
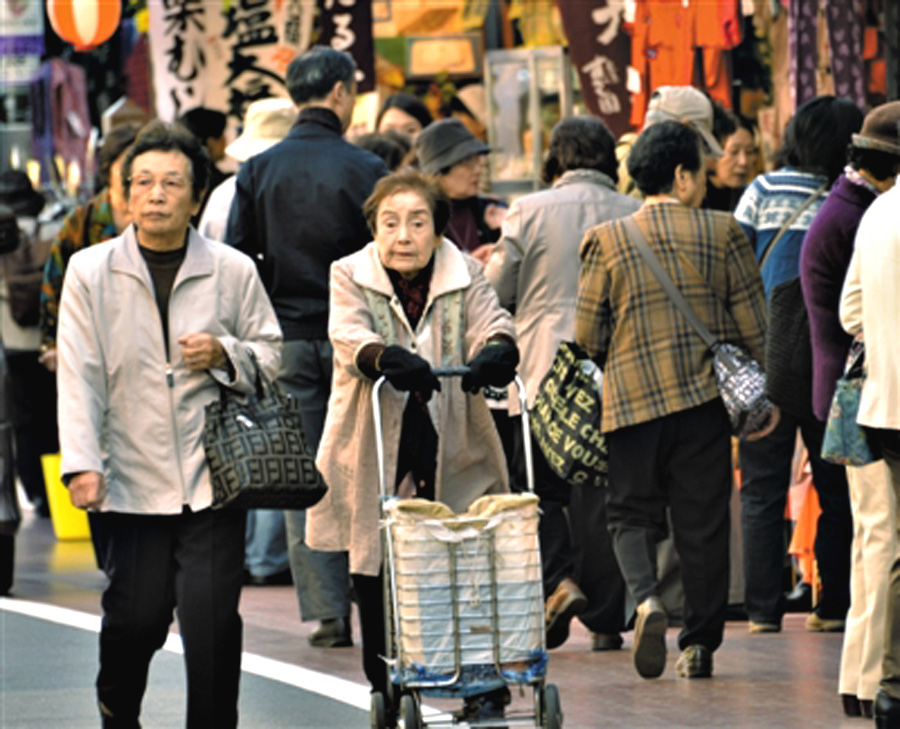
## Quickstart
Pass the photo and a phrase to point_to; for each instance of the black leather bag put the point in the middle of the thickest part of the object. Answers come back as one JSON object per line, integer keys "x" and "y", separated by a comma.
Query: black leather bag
{"x": 24, "y": 272}
{"x": 789, "y": 351}
{"x": 256, "y": 450}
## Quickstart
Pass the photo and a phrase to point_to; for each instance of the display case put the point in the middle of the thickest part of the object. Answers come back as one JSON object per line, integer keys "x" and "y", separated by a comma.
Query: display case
{"x": 528, "y": 91}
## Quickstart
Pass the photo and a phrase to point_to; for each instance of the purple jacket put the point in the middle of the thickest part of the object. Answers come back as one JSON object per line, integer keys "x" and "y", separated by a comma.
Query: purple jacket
{"x": 824, "y": 258}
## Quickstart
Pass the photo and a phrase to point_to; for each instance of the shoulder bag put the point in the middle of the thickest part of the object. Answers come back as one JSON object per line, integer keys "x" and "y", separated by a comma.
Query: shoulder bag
{"x": 739, "y": 377}
{"x": 256, "y": 450}
{"x": 845, "y": 440}
{"x": 788, "y": 346}
{"x": 24, "y": 271}
{"x": 565, "y": 419}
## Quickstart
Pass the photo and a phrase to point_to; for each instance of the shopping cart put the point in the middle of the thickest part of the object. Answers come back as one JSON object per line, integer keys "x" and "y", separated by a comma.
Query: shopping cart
{"x": 464, "y": 600}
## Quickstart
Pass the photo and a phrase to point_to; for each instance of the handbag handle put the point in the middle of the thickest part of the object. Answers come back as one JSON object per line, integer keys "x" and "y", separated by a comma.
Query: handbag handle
{"x": 770, "y": 248}
{"x": 668, "y": 285}
{"x": 262, "y": 383}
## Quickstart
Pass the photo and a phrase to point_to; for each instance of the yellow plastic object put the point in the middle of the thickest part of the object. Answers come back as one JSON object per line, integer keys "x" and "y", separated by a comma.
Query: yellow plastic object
{"x": 69, "y": 523}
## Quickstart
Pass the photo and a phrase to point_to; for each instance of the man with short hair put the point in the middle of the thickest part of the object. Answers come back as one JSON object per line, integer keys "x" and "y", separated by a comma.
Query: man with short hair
{"x": 298, "y": 208}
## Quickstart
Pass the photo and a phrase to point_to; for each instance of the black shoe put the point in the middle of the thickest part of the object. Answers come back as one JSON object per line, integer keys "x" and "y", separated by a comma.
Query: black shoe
{"x": 333, "y": 633}
{"x": 886, "y": 710}
{"x": 695, "y": 662}
{"x": 850, "y": 704}
{"x": 278, "y": 579}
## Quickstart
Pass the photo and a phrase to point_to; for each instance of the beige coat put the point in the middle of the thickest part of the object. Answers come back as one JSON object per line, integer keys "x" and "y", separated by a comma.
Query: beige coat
{"x": 461, "y": 313}
{"x": 127, "y": 411}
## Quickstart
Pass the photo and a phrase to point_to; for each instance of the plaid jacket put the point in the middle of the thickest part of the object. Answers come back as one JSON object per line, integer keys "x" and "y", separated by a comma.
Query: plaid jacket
{"x": 654, "y": 363}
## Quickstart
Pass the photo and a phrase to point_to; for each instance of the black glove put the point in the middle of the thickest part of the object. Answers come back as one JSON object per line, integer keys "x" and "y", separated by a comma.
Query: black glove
{"x": 494, "y": 365}
{"x": 408, "y": 371}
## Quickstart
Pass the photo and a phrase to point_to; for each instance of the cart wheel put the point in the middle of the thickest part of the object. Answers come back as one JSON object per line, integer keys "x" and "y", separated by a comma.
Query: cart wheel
{"x": 409, "y": 712}
{"x": 551, "y": 715}
{"x": 377, "y": 712}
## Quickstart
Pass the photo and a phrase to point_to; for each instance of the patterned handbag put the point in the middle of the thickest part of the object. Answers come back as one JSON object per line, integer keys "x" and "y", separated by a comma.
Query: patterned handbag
{"x": 845, "y": 441}
{"x": 739, "y": 378}
{"x": 256, "y": 450}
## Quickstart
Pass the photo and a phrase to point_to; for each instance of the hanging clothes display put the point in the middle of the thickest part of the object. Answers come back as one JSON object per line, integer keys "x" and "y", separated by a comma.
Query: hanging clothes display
{"x": 673, "y": 39}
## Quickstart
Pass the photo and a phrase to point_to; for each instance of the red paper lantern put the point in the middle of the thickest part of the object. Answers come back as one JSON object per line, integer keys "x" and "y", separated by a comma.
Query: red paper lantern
{"x": 84, "y": 23}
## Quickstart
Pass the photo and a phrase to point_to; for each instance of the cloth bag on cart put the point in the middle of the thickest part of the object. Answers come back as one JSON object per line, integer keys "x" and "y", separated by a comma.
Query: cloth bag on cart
{"x": 256, "y": 450}
{"x": 489, "y": 558}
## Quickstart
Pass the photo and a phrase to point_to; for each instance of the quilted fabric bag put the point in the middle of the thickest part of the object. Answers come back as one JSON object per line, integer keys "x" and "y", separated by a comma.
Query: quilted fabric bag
{"x": 256, "y": 450}
{"x": 845, "y": 441}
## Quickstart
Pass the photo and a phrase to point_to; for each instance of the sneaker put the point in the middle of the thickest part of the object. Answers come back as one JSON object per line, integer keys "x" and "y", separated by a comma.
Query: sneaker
{"x": 695, "y": 662}
{"x": 650, "y": 638}
{"x": 333, "y": 633}
{"x": 606, "y": 641}
{"x": 764, "y": 626}
{"x": 816, "y": 624}
{"x": 565, "y": 603}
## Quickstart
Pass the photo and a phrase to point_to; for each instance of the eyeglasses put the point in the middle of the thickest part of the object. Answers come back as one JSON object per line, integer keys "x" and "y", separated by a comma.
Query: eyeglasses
{"x": 145, "y": 183}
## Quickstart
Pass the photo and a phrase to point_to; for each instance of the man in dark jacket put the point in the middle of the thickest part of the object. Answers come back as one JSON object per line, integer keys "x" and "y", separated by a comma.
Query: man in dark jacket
{"x": 298, "y": 208}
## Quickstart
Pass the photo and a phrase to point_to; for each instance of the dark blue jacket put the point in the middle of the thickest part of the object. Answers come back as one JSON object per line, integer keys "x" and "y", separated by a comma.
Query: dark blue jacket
{"x": 297, "y": 208}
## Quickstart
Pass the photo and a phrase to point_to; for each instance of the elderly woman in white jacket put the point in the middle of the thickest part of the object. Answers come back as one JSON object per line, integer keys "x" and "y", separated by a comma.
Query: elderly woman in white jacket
{"x": 407, "y": 302}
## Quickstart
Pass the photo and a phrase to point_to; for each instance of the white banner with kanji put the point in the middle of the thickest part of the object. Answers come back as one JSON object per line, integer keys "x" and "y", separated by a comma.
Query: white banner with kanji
{"x": 224, "y": 54}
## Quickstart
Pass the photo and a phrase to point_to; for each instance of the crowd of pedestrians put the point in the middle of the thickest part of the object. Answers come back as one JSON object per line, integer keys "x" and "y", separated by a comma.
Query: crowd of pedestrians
{"x": 331, "y": 263}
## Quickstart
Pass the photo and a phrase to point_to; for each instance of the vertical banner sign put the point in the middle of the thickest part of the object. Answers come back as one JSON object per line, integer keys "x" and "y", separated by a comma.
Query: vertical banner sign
{"x": 600, "y": 51}
{"x": 224, "y": 54}
{"x": 347, "y": 26}
{"x": 21, "y": 39}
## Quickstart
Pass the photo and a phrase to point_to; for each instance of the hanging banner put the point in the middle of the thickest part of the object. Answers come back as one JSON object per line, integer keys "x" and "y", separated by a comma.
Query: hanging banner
{"x": 600, "y": 51}
{"x": 226, "y": 54}
{"x": 21, "y": 39}
{"x": 347, "y": 26}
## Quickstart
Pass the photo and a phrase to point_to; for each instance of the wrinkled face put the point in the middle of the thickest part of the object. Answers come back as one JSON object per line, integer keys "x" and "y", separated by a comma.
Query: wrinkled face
{"x": 734, "y": 168}
{"x": 161, "y": 199}
{"x": 397, "y": 120}
{"x": 463, "y": 179}
{"x": 405, "y": 232}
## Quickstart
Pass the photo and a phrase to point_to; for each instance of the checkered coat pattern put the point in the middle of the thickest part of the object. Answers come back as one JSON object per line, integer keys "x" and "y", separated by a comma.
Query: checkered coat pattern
{"x": 654, "y": 363}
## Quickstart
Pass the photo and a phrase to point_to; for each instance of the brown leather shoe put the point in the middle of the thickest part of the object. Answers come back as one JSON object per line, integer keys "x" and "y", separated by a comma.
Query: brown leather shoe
{"x": 565, "y": 603}
{"x": 695, "y": 662}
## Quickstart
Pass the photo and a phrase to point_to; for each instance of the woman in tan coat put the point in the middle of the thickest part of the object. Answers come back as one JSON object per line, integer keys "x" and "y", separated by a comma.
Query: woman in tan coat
{"x": 407, "y": 302}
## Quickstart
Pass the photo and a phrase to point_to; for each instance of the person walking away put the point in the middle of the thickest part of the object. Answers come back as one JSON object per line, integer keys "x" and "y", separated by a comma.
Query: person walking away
{"x": 298, "y": 208}
{"x": 534, "y": 269}
{"x": 874, "y": 162}
{"x": 869, "y": 307}
{"x": 151, "y": 324}
{"x": 775, "y": 212}
{"x": 666, "y": 427}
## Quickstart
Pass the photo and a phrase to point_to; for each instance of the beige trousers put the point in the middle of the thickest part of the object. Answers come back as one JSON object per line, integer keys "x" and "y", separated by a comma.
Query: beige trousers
{"x": 873, "y": 552}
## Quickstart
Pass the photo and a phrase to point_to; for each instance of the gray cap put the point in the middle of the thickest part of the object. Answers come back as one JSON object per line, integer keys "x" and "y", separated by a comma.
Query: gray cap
{"x": 445, "y": 143}
{"x": 685, "y": 104}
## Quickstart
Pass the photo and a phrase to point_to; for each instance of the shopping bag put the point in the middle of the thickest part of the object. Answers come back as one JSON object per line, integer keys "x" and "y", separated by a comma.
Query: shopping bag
{"x": 565, "y": 420}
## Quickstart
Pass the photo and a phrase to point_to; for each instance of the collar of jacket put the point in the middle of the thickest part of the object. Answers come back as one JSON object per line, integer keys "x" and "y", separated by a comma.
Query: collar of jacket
{"x": 127, "y": 259}
{"x": 321, "y": 116}
{"x": 593, "y": 177}
{"x": 450, "y": 271}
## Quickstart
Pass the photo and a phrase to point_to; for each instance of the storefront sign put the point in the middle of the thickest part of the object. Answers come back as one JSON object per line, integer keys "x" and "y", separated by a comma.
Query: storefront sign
{"x": 347, "y": 26}
{"x": 600, "y": 51}
{"x": 224, "y": 55}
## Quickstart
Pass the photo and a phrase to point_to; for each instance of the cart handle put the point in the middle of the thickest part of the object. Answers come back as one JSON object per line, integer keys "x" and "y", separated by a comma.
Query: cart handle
{"x": 456, "y": 371}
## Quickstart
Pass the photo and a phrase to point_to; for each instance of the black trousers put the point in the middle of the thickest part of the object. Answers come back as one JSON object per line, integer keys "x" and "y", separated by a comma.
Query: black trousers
{"x": 682, "y": 460}
{"x": 191, "y": 563}
{"x": 575, "y": 540}
{"x": 33, "y": 398}
{"x": 370, "y": 600}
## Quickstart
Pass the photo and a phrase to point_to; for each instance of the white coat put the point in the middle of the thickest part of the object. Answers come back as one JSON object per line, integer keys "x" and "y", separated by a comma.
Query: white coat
{"x": 125, "y": 409}
{"x": 460, "y": 315}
